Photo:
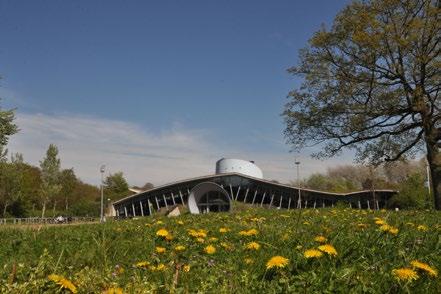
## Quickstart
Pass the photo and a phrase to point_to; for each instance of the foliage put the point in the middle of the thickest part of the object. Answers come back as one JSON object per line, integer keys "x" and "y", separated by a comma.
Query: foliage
{"x": 7, "y": 129}
{"x": 413, "y": 194}
{"x": 372, "y": 83}
{"x": 116, "y": 186}
{"x": 355, "y": 251}
{"x": 50, "y": 176}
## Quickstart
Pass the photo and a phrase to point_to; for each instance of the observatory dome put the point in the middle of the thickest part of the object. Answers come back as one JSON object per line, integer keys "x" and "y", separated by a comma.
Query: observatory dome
{"x": 230, "y": 165}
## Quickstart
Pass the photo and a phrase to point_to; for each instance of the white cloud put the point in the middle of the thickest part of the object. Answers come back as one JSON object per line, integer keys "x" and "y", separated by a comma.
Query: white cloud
{"x": 143, "y": 155}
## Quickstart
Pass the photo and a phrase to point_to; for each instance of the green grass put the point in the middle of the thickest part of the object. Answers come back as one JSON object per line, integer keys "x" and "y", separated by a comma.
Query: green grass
{"x": 98, "y": 257}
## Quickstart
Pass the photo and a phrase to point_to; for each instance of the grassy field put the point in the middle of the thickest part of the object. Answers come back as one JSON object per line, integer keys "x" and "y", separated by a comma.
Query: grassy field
{"x": 247, "y": 251}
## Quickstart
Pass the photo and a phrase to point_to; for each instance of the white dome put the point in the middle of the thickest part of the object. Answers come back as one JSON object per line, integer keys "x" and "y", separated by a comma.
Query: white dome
{"x": 229, "y": 165}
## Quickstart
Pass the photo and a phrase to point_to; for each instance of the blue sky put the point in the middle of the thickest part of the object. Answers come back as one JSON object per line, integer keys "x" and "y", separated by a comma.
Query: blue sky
{"x": 213, "y": 72}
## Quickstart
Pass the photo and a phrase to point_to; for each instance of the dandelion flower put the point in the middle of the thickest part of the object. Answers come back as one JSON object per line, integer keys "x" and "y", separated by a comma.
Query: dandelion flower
{"x": 422, "y": 228}
{"x": 253, "y": 246}
{"x": 320, "y": 239}
{"x": 277, "y": 262}
{"x": 66, "y": 284}
{"x": 213, "y": 239}
{"x": 385, "y": 228}
{"x": 179, "y": 248}
{"x": 405, "y": 274}
{"x": 312, "y": 253}
{"x": 63, "y": 282}
{"x": 142, "y": 264}
{"x": 210, "y": 249}
{"x": 393, "y": 230}
{"x": 200, "y": 240}
{"x": 329, "y": 249}
{"x": 251, "y": 232}
{"x": 159, "y": 222}
{"x": 179, "y": 222}
{"x": 160, "y": 267}
{"x": 186, "y": 268}
{"x": 425, "y": 267}
{"x": 160, "y": 249}
{"x": 380, "y": 222}
{"x": 223, "y": 230}
{"x": 113, "y": 290}
{"x": 248, "y": 260}
{"x": 162, "y": 233}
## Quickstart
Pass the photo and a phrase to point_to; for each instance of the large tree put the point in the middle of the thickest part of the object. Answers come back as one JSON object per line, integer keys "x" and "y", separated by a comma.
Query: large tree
{"x": 7, "y": 128}
{"x": 372, "y": 83}
{"x": 50, "y": 176}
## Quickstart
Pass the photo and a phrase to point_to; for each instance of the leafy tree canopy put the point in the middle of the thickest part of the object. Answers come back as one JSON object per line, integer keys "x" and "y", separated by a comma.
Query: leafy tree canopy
{"x": 372, "y": 83}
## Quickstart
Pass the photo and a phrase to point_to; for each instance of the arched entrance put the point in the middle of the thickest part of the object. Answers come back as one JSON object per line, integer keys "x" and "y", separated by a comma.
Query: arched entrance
{"x": 208, "y": 197}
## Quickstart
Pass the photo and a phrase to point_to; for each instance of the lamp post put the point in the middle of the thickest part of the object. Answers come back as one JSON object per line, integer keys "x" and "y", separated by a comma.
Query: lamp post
{"x": 298, "y": 179}
{"x": 102, "y": 169}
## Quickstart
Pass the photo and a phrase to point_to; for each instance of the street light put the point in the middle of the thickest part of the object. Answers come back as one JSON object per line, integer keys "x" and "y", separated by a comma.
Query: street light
{"x": 298, "y": 180}
{"x": 102, "y": 169}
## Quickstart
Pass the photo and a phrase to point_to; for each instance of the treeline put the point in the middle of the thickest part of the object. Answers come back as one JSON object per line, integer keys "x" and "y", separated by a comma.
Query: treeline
{"x": 408, "y": 177}
{"x": 48, "y": 190}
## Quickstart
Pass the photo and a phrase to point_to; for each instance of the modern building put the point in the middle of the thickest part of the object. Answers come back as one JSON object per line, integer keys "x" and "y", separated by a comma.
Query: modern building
{"x": 242, "y": 181}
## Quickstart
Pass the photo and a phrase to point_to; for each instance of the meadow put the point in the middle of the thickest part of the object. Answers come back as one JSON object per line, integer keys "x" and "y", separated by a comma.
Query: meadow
{"x": 246, "y": 251}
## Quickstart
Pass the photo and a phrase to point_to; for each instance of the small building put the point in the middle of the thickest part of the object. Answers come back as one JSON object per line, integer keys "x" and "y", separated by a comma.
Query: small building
{"x": 240, "y": 180}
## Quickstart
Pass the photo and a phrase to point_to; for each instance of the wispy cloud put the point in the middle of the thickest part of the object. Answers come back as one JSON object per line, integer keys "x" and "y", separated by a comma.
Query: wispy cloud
{"x": 143, "y": 155}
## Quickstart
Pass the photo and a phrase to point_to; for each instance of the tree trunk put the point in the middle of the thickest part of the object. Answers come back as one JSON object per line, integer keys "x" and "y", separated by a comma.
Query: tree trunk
{"x": 67, "y": 204}
{"x": 434, "y": 160}
{"x": 55, "y": 205}
{"x": 43, "y": 210}
{"x": 4, "y": 209}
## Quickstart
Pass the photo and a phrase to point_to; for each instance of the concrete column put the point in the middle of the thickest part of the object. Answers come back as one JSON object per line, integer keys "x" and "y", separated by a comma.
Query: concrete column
{"x": 281, "y": 199}
{"x": 254, "y": 198}
{"x": 125, "y": 211}
{"x": 133, "y": 208}
{"x": 157, "y": 203}
{"x": 165, "y": 200}
{"x": 182, "y": 199}
{"x": 237, "y": 194}
{"x": 271, "y": 201}
{"x": 173, "y": 198}
{"x": 142, "y": 210}
{"x": 263, "y": 199}
{"x": 246, "y": 194}
{"x": 289, "y": 202}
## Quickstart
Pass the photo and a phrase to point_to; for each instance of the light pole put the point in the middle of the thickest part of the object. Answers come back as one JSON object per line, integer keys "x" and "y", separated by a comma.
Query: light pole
{"x": 102, "y": 169}
{"x": 298, "y": 180}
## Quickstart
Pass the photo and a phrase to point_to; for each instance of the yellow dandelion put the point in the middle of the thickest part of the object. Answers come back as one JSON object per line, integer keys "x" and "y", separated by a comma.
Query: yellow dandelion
{"x": 329, "y": 249}
{"x": 425, "y": 267}
{"x": 226, "y": 246}
{"x": 160, "y": 249}
{"x": 253, "y": 246}
{"x": 210, "y": 249}
{"x": 113, "y": 290}
{"x": 186, "y": 268}
{"x": 213, "y": 239}
{"x": 179, "y": 222}
{"x": 179, "y": 248}
{"x": 393, "y": 230}
{"x": 142, "y": 264}
{"x": 277, "y": 262}
{"x": 200, "y": 240}
{"x": 66, "y": 284}
{"x": 159, "y": 222}
{"x": 380, "y": 222}
{"x": 422, "y": 228}
{"x": 162, "y": 233}
{"x": 362, "y": 226}
{"x": 161, "y": 267}
{"x": 251, "y": 232}
{"x": 312, "y": 253}
{"x": 320, "y": 239}
{"x": 385, "y": 228}
{"x": 55, "y": 278}
{"x": 298, "y": 247}
{"x": 223, "y": 230}
{"x": 405, "y": 274}
{"x": 248, "y": 260}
